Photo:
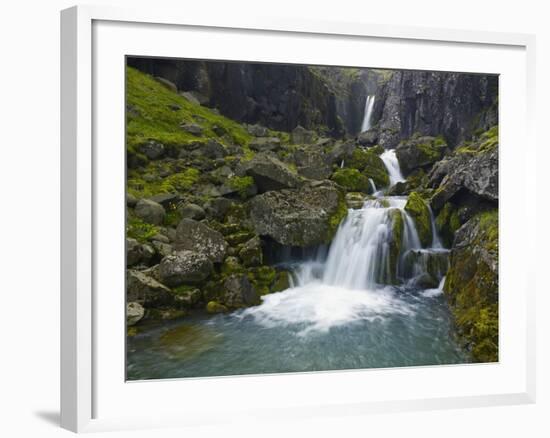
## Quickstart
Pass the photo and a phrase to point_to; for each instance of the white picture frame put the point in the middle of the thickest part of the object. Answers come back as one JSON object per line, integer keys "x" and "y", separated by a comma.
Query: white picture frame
{"x": 84, "y": 371}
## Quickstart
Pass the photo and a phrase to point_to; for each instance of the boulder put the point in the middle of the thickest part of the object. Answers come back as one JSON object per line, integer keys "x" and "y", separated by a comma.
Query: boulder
{"x": 184, "y": 267}
{"x": 134, "y": 252}
{"x": 217, "y": 208}
{"x": 192, "y": 211}
{"x": 299, "y": 217}
{"x": 300, "y": 135}
{"x": 476, "y": 172}
{"x": 152, "y": 149}
{"x": 251, "y": 252}
{"x": 370, "y": 165}
{"x": 196, "y": 236}
{"x": 270, "y": 174}
{"x": 312, "y": 163}
{"x": 131, "y": 200}
{"x": 191, "y": 128}
{"x": 352, "y": 179}
{"x": 262, "y": 144}
{"x": 368, "y": 138}
{"x": 215, "y": 307}
{"x": 146, "y": 290}
{"x": 355, "y": 200}
{"x": 471, "y": 285}
{"x": 150, "y": 211}
{"x": 168, "y": 84}
{"x": 418, "y": 209}
{"x": 134, "y": 313}
{"x": 341, "y": 151}
{"x": 419, "y": 153}
{"x": 212, "y": 149}
{"x": 257, "y": 130}
{"x": 237, "y": 291}
{"x": 166, "y": 199}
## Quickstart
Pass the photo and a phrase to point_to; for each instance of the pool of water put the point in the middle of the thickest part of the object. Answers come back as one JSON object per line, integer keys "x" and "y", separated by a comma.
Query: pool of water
{"x": 309, "y": 328}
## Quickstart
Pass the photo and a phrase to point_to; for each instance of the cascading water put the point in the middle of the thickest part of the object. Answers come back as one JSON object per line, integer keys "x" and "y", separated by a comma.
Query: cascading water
{"x": 392, "y": 165}
{"x": 367, "y": 116}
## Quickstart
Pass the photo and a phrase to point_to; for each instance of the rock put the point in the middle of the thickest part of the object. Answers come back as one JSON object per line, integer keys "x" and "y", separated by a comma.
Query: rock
{"x": 419, "y": 152}
{"x": 251, "y": 252}
{"x": 191, "y": 128}
{"x": 300, "y": 135}
{"x": 134, "y": 313}
{"x": 355, "y": 200}
{"x": 368, "y": 138}
{"x": 270, "y": 174}
{"x": 184, "y": 267}
{"x": 263, "y": 144}
{"x": 187, "y": 296}
{"x": 196, "y": 236}
{"x": 473, "y": 170}
{"x": 150, "y": 211}
{"x": 419, "y": 211}
{"x": 213, "y": 150}
{"x": 134, "y": 252}
{"x": 145, "y": 290}
{"x": 174, "y": 107}
{"x": 369, "y": 165}
{"x": 352, "y": 179}
{"x": 257, "y": 130}
{"x": 238, "y": 292}
{"x": 190, "y": 97}
{"x": 472, "y": 285}
{"x": 231, "y": 265}
{"x": 166, "y": 199}
{"x": 218, "y": 207}
{"x": 163, "y": 249}
{"x": 215, "y": 307}
{"x": 152, "y": 149}
{"x": 168, "y": 84}
{"x": 192, "y": 211}
{"x": 312, "y": 163}
{"x": 425, "y": 268}
{"x": 165, "y": 314}
{"x": 131, "y": 200}
{"x": 299, "y": 217}
{"x": 341, "y": 151}
{"x": 281, "y": 282}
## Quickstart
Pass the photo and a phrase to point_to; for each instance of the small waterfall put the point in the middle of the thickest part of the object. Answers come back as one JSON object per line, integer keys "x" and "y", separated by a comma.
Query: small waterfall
{"x": 367, "y": 116}
{"x": 392, "y": 164}
{"x": 372, "y": 185}
{"x": 436, "y": 242}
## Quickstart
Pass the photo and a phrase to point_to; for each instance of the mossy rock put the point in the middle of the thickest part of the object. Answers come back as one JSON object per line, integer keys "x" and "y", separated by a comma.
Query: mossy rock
{"x": 352, "y": 180}
{"x": 215, "y": 307}
{"x": 231, "y": 265}
{"x": 370, "y": 165}
{"x": 396, "y": 242}
{"x": 419, "y": 211}
{"x": 281, "y": 282}
{"x": 472, "y": 285}
{"x": 262, "y": 278}
{"x": 447, "y": 223}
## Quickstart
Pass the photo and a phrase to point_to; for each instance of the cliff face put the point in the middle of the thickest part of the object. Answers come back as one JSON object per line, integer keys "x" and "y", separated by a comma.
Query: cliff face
{"x": 277, "y": 96}
{"x": 454, "y": 105}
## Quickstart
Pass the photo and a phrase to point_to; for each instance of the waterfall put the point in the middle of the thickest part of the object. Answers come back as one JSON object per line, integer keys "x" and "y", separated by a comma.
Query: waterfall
{"x": 375, "y": 249}
{"x": 367, "y": 116}
{"x": 392, "y": 165}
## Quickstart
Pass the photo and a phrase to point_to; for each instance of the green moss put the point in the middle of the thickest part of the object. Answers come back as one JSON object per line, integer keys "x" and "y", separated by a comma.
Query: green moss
{"x": 139, "y": 230}
{"x": 395, "y": 243}
{"x": 447, "y": 223}
{"x": 352, "y": 180}
{"x": 370, "y": 165}
{"x": 417, "y": 208}
{"x": 472, "y": 288}
{"x": 215, "y": 307}
{"x": 153, "y": 117}
{"x": 177, "y": 182}
{"x": 231, "y": 266}
{"x": 281, "y": 283}
{"x": 262, "y": 278}
{"x": 337, "y": 218}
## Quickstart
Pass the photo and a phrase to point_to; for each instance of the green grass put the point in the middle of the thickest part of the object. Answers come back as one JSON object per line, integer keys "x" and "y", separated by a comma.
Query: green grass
{"x": 152, "y": 118}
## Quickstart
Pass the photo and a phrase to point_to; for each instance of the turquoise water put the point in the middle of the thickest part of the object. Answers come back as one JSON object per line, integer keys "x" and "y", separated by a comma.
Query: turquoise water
{"x": 390, "y": 327}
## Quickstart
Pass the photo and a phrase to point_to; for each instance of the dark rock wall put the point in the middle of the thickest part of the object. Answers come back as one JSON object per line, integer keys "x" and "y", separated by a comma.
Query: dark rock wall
{"x": 453, "y": 105}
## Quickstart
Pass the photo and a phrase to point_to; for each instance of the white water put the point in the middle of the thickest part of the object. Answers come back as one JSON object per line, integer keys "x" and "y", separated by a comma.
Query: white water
{"x": 392, "y": 165}
{"x": 367, "y": 116}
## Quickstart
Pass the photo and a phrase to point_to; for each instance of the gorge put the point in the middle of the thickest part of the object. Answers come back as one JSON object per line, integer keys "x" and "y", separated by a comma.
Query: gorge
{"x": 350, "y": 242}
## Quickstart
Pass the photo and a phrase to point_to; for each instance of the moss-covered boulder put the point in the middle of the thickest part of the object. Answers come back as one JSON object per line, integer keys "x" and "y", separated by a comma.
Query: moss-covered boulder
{"x": 352, "y": 180}
{"x": 419, "y": 152}
{"x": 447, "y": 223}
{"x": 215, "y": 307}
{"x": 472, "y": 285}
{"x": 269, "y": 173}
{"x": 251, "y": 252}
{"x": 302, "y": 217}
{"x": 145, "y": 290}
{"x": 238, "y": 291}
{"x": 281, "y": 282}
{"x": 370, "y": 165}
{"x": 262, "y": 278}
{"x": 419, "y": 211}
{"x": 395, "y": 242}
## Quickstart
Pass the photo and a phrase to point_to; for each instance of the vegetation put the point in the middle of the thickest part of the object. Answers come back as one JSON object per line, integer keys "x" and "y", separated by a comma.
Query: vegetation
{"x": 417, "y": 208}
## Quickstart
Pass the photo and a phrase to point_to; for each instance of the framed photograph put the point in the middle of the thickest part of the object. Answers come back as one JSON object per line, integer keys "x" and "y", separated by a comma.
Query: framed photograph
{"x": 328, "y": 210}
